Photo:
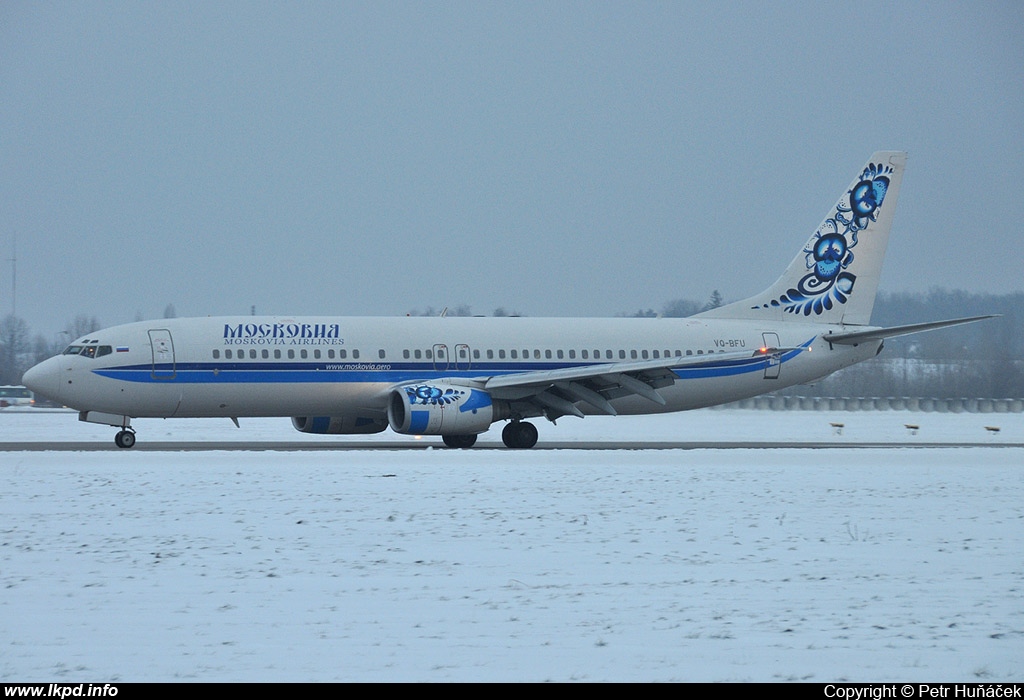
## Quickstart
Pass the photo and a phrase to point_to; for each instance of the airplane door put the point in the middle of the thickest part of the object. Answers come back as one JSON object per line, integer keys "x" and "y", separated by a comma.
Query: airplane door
{"x": 163, "y": 354}
{"x": 771, "y": 370}
{"x": 462, "y": 356}
{"x": 440, "y": 357}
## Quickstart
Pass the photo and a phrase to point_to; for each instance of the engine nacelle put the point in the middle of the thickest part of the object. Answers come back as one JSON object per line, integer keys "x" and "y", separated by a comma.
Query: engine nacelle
{"x": 340, "y": 425}
{"x": 442, "y": 408}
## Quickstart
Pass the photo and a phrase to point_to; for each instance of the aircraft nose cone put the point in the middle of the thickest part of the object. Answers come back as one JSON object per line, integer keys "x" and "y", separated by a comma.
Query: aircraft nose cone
{"x": 44, "y": 379}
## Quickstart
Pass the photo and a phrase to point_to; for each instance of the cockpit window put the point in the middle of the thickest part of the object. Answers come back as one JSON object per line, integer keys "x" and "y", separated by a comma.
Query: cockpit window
{"x": 89, "y": 350}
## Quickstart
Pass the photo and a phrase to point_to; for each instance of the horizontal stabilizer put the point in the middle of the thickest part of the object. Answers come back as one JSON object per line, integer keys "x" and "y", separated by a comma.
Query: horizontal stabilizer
{"x": 855, "y": 337}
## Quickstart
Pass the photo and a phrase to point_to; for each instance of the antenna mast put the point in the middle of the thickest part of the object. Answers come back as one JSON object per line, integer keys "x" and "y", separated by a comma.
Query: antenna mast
{"x": 14, "y": 275}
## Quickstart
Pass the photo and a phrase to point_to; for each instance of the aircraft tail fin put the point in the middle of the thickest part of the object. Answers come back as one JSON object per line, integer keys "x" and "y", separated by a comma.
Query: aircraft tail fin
{"x": 834, "y": 278}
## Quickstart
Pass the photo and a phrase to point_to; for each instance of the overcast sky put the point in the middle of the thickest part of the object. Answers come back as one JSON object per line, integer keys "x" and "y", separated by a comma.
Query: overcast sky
{"x": 551, "y": 158}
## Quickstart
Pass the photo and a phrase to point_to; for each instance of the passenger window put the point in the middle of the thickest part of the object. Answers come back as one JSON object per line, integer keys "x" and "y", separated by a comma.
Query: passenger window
{"x": 216, "y": 354}
{"x": 405, "y": 354}
{"x": 291, "y": 354}
{"x": 380, "y": 354}
{"x": 316, "y": 354}
{"x": 252, "y": 354}
{"x": 265, "y": 354}
{"x": 277, "y": 354}
{"x": 355, "y": 354}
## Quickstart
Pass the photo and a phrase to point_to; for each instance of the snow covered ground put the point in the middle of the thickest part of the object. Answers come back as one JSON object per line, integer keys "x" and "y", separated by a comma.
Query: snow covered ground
{"x": 745, "y": 564}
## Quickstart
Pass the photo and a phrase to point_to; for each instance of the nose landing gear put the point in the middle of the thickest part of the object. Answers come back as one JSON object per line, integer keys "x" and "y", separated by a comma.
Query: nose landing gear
{"x": 126, "y": 435}
{"x": 125, "y": 438}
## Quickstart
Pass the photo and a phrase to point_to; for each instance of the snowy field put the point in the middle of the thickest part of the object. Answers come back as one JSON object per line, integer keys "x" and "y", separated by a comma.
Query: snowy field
{"x": 831, "y": 564}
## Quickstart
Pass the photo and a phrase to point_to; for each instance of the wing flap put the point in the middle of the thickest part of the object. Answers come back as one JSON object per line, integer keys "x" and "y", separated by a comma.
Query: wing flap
{"x": 608, "y": 369}
{"x": 581, "y": 392}
{"x": 556, "y": 392}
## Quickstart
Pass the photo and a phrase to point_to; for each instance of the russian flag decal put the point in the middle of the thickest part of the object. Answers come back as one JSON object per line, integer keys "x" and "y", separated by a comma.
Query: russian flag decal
{"x": 122, "y": 348}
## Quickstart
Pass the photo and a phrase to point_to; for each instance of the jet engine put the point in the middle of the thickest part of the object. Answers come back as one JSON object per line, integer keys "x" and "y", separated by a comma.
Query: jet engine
{"x": 340, "y": 425}
{"x": 442, "y": 408}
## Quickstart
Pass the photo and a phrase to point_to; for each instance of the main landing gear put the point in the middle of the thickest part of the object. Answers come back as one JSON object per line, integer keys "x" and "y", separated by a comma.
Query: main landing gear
{"x": 516, "y": 435}
{"x": 125, "y": 438}
{"x": 459, "y": 441}
{"x": 519, "y": 435}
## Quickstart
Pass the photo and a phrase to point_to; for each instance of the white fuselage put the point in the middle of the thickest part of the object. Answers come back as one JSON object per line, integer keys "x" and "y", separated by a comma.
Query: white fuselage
{"x": 332, "y": 366}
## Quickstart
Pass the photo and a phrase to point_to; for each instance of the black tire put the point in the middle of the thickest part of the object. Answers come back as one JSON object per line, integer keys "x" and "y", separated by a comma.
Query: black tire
{"x": 459, "y": 441}
{"x": 527, "y": 435}
{"x": 508, "y": 435}
{"x": 125, "y": 439}
{"x": 518, "y": 435}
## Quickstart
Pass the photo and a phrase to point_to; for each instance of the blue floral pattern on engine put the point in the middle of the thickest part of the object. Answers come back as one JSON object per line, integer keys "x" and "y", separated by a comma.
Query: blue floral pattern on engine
{"x": 428, "y": 395}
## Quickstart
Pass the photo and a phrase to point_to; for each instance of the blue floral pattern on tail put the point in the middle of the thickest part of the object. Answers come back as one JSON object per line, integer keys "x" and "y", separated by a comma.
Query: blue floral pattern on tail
{"x": 830, "y": 251}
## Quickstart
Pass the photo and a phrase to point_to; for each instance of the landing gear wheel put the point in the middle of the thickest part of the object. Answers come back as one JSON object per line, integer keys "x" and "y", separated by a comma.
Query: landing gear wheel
{"x": 519, "y": 436}
{"x": 459, "y": 441}
{"x": 125, "y": 439}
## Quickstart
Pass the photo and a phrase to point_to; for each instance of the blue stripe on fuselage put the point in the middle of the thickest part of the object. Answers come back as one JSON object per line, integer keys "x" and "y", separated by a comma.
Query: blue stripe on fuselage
{"x": 396, "y": 373}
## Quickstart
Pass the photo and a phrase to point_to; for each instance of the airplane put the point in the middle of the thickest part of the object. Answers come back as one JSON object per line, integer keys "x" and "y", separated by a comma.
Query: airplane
{"x": 455, "y": 376}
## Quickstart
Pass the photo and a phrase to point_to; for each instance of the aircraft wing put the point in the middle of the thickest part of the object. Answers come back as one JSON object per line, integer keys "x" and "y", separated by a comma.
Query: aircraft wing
{"x": 855, "y": 337}
{"x": 555, "y": 393}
